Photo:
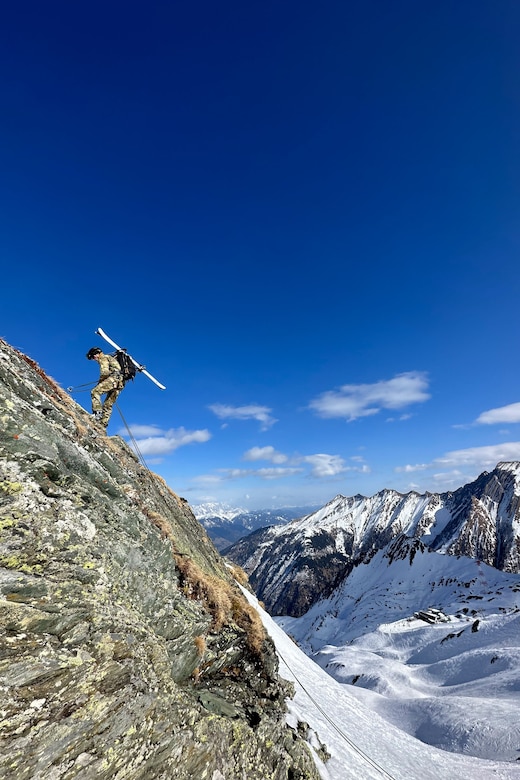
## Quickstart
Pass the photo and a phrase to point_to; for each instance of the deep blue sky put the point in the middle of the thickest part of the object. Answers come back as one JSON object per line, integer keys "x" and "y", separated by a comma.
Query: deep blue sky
{"x": 303, "y": 217}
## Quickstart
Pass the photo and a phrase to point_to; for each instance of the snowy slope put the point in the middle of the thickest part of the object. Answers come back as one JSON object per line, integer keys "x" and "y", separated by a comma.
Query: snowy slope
{"x": 453, "y": 685}
{"x": 362, "y": 744}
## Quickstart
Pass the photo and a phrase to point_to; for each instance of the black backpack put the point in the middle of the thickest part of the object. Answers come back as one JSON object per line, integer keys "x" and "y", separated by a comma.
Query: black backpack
{"x": 128, "y": 368}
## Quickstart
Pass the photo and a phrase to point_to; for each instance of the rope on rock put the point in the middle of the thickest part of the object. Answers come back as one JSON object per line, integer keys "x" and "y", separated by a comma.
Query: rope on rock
{"x": 132, "y": 439}
{"x": 79, "y": 388}
{"x": 334, "y": 725}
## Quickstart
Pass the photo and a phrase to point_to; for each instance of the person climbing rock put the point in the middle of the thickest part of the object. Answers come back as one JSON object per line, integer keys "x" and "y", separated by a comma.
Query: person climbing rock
{"x": 110, "y": 383}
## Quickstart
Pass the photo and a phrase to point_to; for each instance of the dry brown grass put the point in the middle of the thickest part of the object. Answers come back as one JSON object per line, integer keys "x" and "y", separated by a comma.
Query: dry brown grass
{"x": 159, "y": 522}
{"x": 211, "y": 590}
{"x": 249, "y": 620}
{"x": 177, "y": 499}
{"x": 200, "y": 644}
{"x": 81, "y": 429}
{"x": 52, "y": 385}
{"x": 59, "y": 396}
{"x": 239, "y": 574}
{"x": 224, "y": 602}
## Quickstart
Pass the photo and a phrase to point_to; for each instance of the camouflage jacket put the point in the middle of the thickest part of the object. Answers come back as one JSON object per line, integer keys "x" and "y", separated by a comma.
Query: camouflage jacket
{"x": 108, "y": 365}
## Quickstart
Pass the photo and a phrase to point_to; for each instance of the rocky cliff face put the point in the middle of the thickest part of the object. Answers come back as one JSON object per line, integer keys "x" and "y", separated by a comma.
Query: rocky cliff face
{"x": 294, "y": 566}
{"x": 485, "y": 519}
{"x": 126, "y": 648}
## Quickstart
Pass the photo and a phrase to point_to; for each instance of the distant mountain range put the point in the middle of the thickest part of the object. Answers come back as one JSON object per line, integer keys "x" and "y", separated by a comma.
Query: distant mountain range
{"x": 293, "y": 566}
{"x": 226, "y": 524}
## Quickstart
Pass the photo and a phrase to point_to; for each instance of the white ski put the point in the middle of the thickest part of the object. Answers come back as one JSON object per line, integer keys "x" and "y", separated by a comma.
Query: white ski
{"x": 136, "y": 364}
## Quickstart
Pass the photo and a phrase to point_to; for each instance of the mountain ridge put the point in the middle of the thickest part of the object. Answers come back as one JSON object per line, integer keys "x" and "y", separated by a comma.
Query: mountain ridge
{"x": 293, "y": 566}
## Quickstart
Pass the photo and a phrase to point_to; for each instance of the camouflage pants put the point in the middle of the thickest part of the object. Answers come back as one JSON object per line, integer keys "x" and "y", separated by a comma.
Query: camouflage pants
{"x": 112, "y": 386}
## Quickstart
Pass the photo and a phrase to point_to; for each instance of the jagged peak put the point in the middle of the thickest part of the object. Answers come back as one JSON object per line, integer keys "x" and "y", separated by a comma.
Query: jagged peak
{"x": 512, "y": 466}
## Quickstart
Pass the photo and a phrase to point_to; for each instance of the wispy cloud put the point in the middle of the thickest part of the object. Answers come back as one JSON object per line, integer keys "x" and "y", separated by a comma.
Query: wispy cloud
{"x": 503, "y": 414}
{"x": 409, "y": 469}
{"x": 324, "y": 465}
{"x": 142, "y": 431}
{"x": 251, "y": 412}
{"x": 264, "y": 473}
{"x": 265, "y": 453}
{"x": 483, "y": 457}
{"x": 154, "y": 441}
{"x": 476, "y": 459}
{"x": 401, "y": 418}
{"x": 354, "y": 401}
{"x": 208, "y": 481}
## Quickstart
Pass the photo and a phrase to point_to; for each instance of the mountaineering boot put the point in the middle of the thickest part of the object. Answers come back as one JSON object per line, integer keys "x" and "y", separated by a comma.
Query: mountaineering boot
{"x": 96, "y": 416}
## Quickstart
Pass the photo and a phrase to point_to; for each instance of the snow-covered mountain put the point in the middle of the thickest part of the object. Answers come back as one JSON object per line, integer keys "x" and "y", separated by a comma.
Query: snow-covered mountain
{"x": 453, "y": 685}
{"x": 226, "y": 524}
{"x": 215, "y": 511}
{"x": 294, "y": 565}
{"x": 399, "y": 696}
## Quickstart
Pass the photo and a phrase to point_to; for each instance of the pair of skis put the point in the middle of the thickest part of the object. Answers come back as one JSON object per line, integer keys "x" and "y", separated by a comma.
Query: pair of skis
{"x": 139, "y": 367}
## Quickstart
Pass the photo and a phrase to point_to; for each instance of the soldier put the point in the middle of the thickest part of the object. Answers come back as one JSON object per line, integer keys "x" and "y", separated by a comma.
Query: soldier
{"x": 110, "y": 382}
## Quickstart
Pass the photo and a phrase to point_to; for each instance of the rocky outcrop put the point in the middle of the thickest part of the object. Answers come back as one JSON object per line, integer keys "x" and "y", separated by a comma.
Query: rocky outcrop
{"x": 126, "y": 648}
{"x": 485, "y": 520}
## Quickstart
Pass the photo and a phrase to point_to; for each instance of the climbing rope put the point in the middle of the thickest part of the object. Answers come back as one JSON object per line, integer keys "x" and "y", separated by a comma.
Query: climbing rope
{"x": 334, "y": 725}
{"x": 133, "y": 440}
{"x": 79, "y": 388}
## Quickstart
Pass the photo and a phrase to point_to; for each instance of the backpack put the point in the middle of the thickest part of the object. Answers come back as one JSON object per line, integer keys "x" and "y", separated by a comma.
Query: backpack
{"x": 128, "y": 368}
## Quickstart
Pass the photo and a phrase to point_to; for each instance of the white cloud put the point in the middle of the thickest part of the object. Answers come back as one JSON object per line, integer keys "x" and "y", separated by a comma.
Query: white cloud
{"x": 324, "y": 465}
{"x": 208, "y": 480}
{"x": 265, "y": 453}
{"x": 483, "y": 457}
{"x": 474, "y": 458}
{"x": 277, "y": 473}
{"x": 251, "y": 412}
{"x": 503, "y": 414}
{"x": 163, "y": 442}
{"x": 142, "y": 431}
{"x": 409, "y": 469}
{"x": 355, "y": 401}
{"x": 265, "y": 473}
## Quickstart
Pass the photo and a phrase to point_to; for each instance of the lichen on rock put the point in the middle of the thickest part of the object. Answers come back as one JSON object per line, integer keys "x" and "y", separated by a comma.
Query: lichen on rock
{"x": 126, "y": 648}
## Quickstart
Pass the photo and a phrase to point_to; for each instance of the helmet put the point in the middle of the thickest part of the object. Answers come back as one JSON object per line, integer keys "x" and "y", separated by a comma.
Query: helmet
{"x": 92, "y": 351}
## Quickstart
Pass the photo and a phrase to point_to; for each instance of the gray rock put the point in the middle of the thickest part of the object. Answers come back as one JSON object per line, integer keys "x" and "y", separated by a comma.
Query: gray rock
{"x": 126, "y": 648}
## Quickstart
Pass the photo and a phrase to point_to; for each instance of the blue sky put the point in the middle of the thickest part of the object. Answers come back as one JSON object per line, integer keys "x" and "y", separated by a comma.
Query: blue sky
{"x": 303, "y": 218}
